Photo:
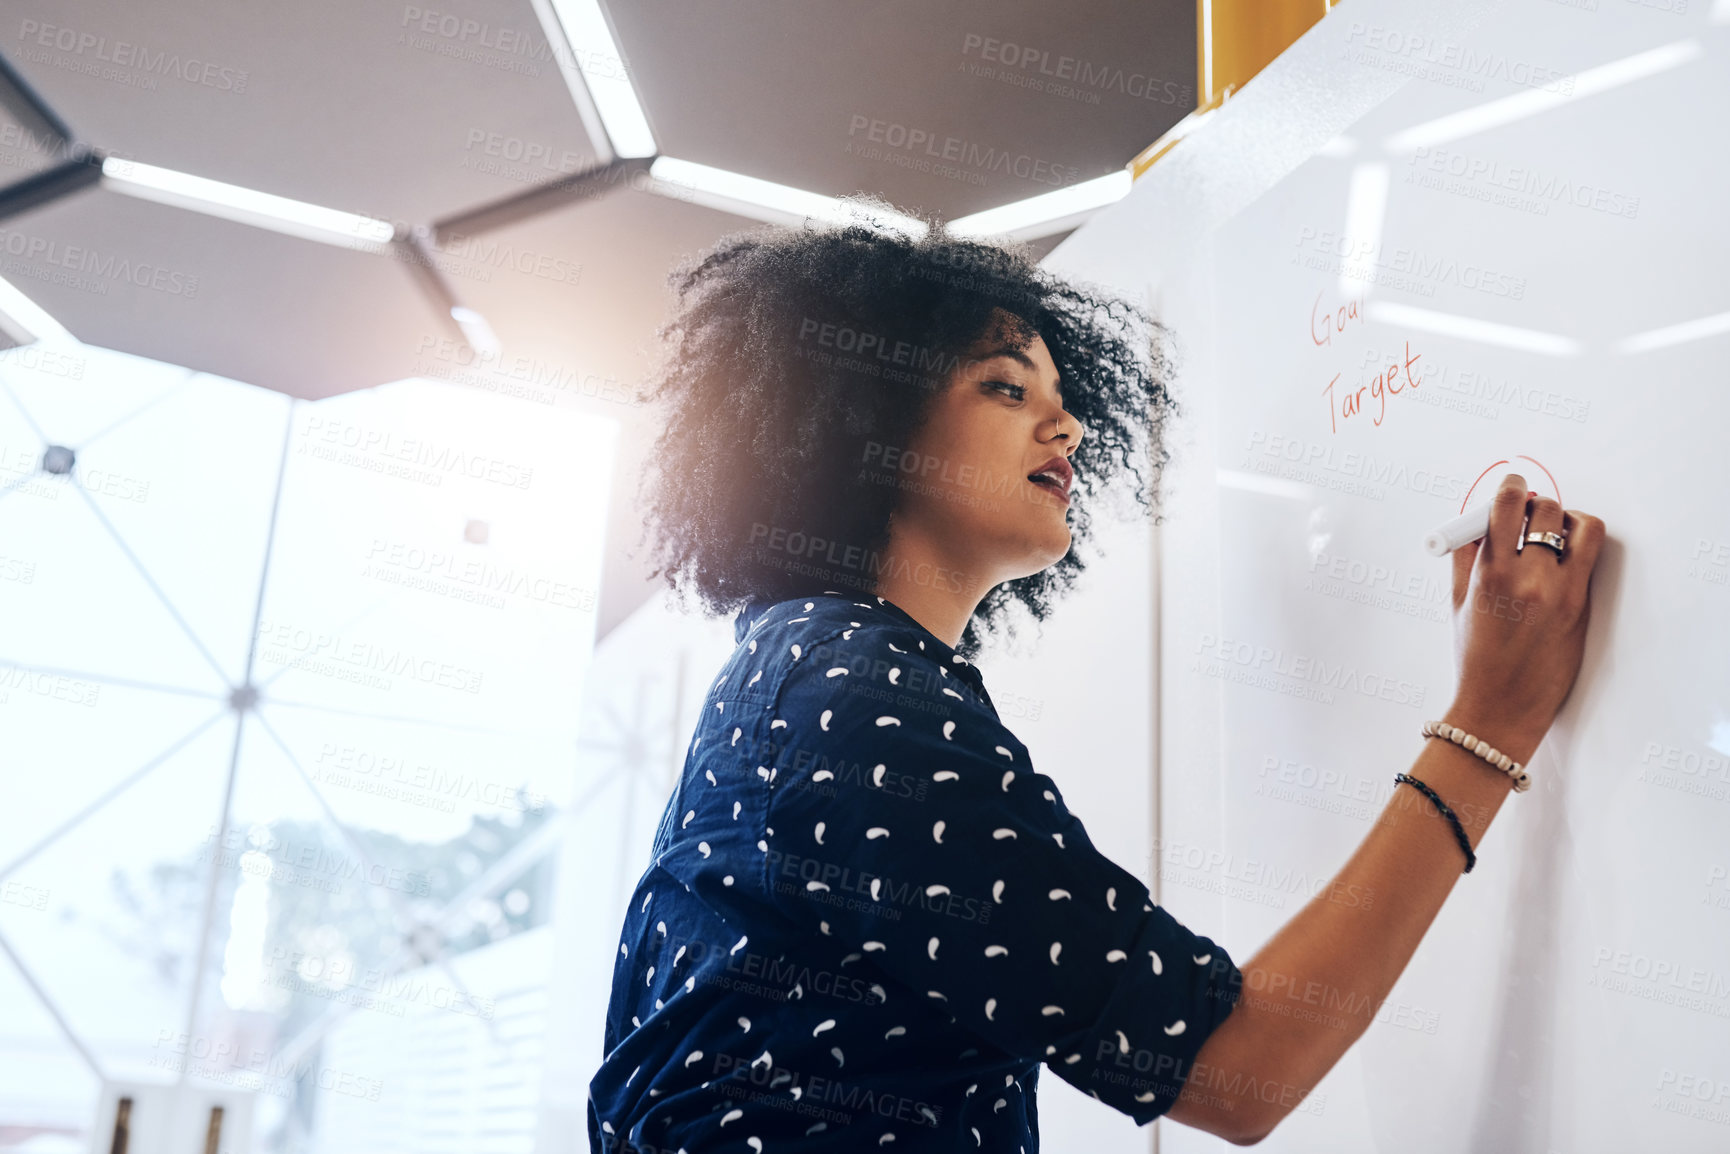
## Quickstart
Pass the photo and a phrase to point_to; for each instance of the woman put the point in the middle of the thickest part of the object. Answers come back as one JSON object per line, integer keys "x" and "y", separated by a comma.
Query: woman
{"x": 868, "y": 919}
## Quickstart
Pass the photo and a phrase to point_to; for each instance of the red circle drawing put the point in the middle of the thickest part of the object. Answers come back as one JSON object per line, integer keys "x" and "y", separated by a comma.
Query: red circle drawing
{"x": 1506, "y": 461}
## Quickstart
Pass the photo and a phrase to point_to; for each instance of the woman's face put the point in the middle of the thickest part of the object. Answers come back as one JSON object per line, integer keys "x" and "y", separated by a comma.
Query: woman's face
{"x": 988, "y": 475}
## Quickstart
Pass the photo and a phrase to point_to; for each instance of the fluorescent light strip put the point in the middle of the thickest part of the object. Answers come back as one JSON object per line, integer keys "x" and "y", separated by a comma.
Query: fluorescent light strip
{"x": 1695, "y": 330}
{"x": 1267, "y": 486}
{"x": 603, "y": 68}
{"x": 764, "y": 199}
{"x": 1047, "y": 213}
{"x": 554, "y": 30}
{"x": 24, "y": 320}
{"x": 246, "y": 206}
{"x": 1521, "y": 105}
{"x": 1472, "y": 329}
{"x": 1366, "y": 206}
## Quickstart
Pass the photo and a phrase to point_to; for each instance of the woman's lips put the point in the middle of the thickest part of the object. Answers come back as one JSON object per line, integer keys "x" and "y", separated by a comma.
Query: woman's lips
{"x": 1052, "y": 487}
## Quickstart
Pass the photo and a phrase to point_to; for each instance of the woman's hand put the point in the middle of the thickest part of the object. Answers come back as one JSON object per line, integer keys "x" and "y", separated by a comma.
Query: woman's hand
{"x": 1520, "y": 619}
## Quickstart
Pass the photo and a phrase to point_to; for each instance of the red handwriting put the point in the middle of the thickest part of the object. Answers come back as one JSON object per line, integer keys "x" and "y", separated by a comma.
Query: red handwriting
{"x": 1323, "y": 326}
{"x": 1394, "y": 379}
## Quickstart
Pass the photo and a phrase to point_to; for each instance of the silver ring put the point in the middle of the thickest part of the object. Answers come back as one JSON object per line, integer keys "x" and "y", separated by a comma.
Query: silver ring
{"x": 1554, "y": 540}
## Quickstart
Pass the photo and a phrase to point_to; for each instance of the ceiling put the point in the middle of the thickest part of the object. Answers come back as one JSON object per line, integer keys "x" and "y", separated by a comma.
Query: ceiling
{"x": 412, "y": 113}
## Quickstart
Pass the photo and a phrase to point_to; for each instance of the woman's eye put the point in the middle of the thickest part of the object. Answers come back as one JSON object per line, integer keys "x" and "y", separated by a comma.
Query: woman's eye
{"x": 1008, "y": 389}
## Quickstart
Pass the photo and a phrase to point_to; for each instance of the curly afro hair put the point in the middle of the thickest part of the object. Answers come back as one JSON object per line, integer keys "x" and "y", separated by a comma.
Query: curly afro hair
{"x": 792, "y": 352}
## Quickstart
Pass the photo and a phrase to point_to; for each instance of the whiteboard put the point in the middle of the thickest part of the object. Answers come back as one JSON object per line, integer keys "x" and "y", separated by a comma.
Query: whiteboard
{"x": 1516, "y": 216}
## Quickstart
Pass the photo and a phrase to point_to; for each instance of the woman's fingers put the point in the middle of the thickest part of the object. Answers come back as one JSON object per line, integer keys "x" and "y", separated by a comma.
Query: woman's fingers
{"x": 1507, "y": 511}
{"x": 1545, "y": 517}
{"x": 1585, "y": 538}
{"x": 1507, "y": 514}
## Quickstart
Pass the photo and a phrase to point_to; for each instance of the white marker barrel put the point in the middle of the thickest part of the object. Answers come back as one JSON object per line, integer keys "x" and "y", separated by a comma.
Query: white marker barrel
{"x": 1467, "y": 527}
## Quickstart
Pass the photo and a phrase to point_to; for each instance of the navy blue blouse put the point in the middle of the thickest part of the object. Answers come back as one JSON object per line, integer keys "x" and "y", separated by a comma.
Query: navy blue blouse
{"x": 868, "y": 920}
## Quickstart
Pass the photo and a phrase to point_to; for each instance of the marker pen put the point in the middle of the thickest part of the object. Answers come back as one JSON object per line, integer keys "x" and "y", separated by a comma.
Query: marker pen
{"x": 1467, "y": 527}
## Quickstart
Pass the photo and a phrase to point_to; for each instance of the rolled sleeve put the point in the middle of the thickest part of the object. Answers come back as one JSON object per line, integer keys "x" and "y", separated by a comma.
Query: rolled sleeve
{"x": 980, "y": 892}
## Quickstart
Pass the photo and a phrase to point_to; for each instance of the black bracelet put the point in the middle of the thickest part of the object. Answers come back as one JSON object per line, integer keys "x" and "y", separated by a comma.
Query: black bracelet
{"x": 1459, "y": 830}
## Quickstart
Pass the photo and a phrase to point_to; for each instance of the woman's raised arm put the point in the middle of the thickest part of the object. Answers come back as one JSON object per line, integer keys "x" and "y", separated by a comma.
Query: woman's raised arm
{"x": 1520, "y": 625}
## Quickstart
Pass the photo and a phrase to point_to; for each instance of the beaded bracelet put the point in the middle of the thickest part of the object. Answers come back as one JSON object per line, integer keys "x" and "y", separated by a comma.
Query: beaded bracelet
{"x": 1522, "y": 780}
{"x": 1459, "y": 830}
